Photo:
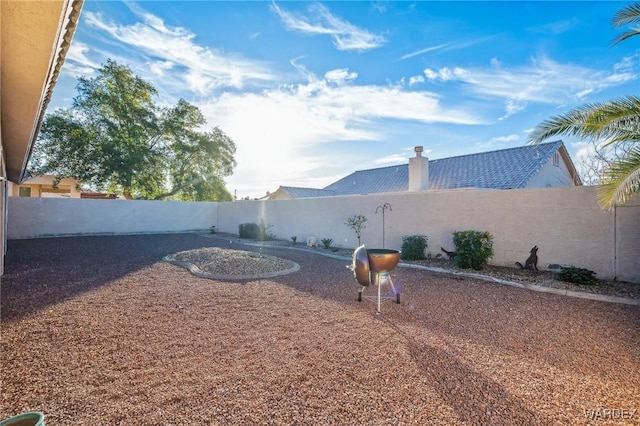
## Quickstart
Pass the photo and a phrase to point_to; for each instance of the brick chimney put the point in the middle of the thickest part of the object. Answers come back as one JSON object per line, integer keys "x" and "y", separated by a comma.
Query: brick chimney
{"x": 418, "y": 171}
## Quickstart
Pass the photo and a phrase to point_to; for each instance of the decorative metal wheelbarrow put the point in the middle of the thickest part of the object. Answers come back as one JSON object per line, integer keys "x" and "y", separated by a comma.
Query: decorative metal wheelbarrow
{"x": 373, "y": 266}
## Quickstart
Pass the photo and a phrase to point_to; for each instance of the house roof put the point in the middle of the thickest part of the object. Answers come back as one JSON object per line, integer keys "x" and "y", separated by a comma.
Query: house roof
{"x": 298, "y": 192}
{"x": 503, "y": 169}
{"x": 34, "y": 39}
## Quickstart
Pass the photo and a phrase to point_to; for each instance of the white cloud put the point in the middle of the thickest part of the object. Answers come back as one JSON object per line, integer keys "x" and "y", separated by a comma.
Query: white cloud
{"x": 78, "y": 62}
{"x": 557, "y": 27}
{"x": 505, "y": 139}
{"x": 543, "y": 81}
{"x": 447, "y": 47}
{"x": 282, "y": 126}
{"x": 160, "y": 67}
{"x": 391, "y": 160}
{"x": 320, "y": 20}
{"x": 415, "y": 80}
{"x": 445, "y": 74}
{"x": 340, "y": 76}
{"x": 425, "y": 50}
{"x": 203, "y": 69}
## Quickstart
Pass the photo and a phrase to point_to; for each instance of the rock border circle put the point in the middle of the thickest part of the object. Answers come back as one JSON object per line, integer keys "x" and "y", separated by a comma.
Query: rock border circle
{"x": 231, "y": 277}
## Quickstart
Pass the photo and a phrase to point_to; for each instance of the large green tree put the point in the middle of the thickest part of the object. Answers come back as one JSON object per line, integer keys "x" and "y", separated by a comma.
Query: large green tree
{"x": 616, "y": 122}
{"x": 115, "y": 137}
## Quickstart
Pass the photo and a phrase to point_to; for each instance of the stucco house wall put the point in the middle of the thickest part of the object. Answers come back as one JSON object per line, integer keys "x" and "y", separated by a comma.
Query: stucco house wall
{"x": 552, "y": 175}
{"x": 43, "y": 186}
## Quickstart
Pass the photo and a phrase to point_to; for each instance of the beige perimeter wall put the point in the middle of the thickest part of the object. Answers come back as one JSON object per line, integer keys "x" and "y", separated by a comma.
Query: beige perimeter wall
{"x": 567, "y": 224}
{"x": 49, "y": 217}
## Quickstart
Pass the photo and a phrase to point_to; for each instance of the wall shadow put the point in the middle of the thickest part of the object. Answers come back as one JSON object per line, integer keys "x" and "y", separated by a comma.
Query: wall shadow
{"x": 42, "y": 272}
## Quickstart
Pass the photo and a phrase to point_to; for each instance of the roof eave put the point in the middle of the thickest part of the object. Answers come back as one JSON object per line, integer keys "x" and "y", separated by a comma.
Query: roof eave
{"x": 24, "y": 42}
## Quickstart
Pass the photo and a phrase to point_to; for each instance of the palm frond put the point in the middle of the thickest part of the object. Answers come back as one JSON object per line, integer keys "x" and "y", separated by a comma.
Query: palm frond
{"x": 616, "y": 120}
{"x": 622, "y": 180}
{"x": 629, "y": 14}
{"x": 625, "y": 35}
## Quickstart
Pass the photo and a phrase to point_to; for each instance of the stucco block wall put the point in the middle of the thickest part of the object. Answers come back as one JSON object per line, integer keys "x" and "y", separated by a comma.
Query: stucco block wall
{"x": 628, "y": 240}
{"x": 567, "y": 224}
{"x": 43, "y": 217}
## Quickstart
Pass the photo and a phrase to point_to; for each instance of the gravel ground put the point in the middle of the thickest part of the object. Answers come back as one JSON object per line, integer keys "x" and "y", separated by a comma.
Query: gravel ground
{"x": 101, "y": 331}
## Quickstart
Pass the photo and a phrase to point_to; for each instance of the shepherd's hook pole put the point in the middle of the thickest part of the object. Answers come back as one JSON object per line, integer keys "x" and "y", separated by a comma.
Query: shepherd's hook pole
{"x": 384, "y": 207}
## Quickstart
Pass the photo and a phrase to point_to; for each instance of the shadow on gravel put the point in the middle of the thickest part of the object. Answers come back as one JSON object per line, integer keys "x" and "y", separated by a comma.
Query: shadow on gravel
{"x": 475, "y": 398}
{"x": 42, "y": 272}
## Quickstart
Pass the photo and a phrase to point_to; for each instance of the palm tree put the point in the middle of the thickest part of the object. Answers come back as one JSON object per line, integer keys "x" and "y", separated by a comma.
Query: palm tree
{"x": 614, "y": 122}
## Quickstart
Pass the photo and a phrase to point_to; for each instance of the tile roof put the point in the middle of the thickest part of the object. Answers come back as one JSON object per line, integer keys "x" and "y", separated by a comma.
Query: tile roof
{"x": 297, "y": 192}
{"x": 502, "y": 169}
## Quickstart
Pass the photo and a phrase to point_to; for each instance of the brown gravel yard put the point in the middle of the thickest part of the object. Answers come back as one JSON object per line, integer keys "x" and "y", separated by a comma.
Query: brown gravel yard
{"x": 101, "y": 331}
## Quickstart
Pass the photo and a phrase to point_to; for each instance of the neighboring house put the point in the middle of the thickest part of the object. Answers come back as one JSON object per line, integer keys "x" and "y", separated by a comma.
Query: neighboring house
{"x": 545, "y": 165}
{"x": 289, "y": 192}
{"x": 45, "y": 186}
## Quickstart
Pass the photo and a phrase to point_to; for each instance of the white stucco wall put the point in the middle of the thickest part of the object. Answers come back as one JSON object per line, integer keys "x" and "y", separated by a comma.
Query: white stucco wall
{"x": 43, "y": 217}
{"x": 567, "y": 224}
{"x": 551, "y": 175}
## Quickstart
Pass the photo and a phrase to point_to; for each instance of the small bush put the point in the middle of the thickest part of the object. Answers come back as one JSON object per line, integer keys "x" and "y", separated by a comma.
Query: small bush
{"x": 263, "y": 232}
{"x": 326, "y": 242}
{"x": 577, "y": 275}
{"x": 473, "y": 248}
{"x": 248, "y": 230}
{"x": 356, "y": 224}
{"x": 413, "y": 247}
{"x": 294, "y": 239}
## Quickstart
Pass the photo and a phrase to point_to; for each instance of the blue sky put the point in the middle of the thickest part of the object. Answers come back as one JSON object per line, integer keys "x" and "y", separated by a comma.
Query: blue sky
{"x": 312, "y": 91}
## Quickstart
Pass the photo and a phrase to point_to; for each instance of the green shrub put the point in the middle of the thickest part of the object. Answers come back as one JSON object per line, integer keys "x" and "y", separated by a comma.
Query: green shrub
{"x": 413, "y": 247}
{"x": 326, "y": 242}
{"x": 473, "y": 248}
{"x": 263, "y": 232}
{"x": 577, "y": 275}
{"x": 248, "y": 230}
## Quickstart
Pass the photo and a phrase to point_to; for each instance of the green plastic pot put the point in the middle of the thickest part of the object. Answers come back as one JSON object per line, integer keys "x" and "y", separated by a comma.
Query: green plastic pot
{"x": 32, "y": 418}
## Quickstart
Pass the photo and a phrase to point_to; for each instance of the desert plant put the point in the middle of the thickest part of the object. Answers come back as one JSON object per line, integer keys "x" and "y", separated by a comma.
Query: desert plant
{"x": 577, "y": 275}
{"x": 263, "y": 232}
{"x": 248, "y": 230}
{"x": 356, "y": 223}
{"x": 473, "y": 248}
{"x": 294, "y": 239}
{"x": 413, "y": 247}
{"x": 326, "y": 242}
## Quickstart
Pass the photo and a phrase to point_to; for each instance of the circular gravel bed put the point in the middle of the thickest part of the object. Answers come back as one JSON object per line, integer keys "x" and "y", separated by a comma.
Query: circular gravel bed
{"x": 219, "y": 263}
